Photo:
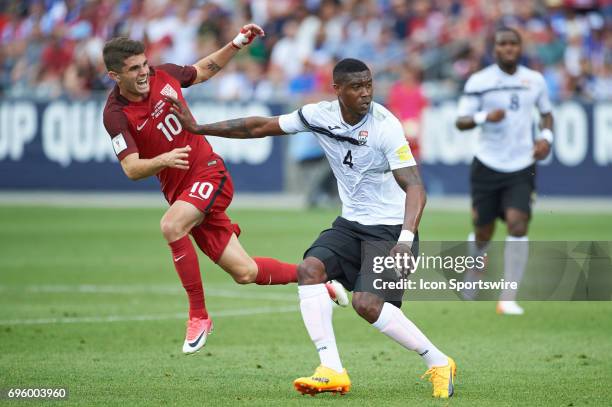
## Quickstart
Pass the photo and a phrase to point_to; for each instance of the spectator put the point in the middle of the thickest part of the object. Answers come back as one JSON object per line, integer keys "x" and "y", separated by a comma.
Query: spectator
{"x": 42, "y": 41}
{"x": 407, "y": 102}
{"x": 286, "y": 54}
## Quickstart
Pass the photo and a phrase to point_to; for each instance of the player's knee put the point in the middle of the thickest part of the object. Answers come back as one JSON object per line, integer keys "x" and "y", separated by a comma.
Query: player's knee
{"x": 517, "y": 225}
{"x": 483, "y": 234}
{"x": 243, "y": 278}
{"x": 517, "y": 228}
{"x": 171, "y": 230}
{"x": 243, "y": 273}
{"x": 308, "y": 272}
{"x": 367, "y": 306}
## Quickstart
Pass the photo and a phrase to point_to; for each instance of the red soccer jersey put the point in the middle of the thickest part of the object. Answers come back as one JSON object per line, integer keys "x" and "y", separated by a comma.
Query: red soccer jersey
{"x": 149, "y": 129}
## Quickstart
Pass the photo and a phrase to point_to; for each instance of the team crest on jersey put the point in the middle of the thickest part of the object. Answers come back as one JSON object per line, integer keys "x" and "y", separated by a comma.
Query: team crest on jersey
{"x": 169, "y": 91}
{"x": 362, "y": 138}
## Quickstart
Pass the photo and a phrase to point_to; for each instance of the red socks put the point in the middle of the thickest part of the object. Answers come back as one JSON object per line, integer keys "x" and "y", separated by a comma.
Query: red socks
{"x": 186, "y": 265}
{"x": 271, "y": 271}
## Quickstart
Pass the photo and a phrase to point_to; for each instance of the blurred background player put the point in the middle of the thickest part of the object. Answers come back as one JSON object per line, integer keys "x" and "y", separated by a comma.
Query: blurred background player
{"x": 382, "y": 200}
{"x": 501, "y": 99}
{"x": 315, "y": 176}
{"x": 149, "y": 140}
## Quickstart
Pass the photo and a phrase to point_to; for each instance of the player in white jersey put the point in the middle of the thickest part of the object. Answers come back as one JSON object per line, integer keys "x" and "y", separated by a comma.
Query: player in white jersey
{"x": 501, "y": 99}
{"x": 382, "y": 200}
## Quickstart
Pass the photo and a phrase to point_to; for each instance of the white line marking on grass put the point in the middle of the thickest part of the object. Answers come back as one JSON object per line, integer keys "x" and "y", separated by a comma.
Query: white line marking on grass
{"x": 138, "y": 318}
{"x": 157, "y": 289}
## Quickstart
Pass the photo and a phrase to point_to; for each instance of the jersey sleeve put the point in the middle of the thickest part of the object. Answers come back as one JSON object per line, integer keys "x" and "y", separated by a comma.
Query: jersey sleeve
{"x": 298, "y": 120}
{"x": 184, "y": 74}
{"x": 395, "y": 146}
{"x": 543, "y": 101}
{"x": 469, "y": 103}
{"x": 116, "y": 124}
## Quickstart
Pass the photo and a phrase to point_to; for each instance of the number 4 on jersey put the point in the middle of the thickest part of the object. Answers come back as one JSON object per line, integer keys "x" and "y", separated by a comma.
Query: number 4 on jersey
{"x": 348, "y": 159}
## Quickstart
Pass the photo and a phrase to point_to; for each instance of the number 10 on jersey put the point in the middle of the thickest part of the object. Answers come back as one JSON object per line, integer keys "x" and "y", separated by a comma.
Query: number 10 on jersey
{"x": 170, "y": 126}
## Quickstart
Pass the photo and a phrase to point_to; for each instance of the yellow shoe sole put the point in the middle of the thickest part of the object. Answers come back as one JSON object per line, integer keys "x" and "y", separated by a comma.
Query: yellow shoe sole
{"x": 305, "y": 388}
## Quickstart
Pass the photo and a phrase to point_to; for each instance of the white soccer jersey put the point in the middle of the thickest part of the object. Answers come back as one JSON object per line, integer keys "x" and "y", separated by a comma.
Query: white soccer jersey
{"x": 506, "y": 146}
{"x": 361, "y": 157}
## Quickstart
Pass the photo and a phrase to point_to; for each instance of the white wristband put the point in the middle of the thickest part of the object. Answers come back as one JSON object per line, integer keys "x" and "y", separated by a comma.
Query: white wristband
{"x": 547, "y": 134}
{"x": 406, "y": 236}
{"x": 480, "y": 117}
{"x": 242, "y": 39}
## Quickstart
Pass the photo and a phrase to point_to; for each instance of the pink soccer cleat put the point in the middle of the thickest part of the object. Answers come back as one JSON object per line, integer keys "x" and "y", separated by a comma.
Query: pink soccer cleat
{"x": 197, "y": 331}
{"x": 337, "y": 293}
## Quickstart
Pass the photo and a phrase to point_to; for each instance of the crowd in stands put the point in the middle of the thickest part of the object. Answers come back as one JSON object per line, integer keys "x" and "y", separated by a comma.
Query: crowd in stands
{"x": 419, "y": 50}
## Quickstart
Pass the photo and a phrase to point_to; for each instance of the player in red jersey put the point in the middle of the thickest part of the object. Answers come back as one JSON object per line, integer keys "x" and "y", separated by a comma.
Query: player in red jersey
{"x": 150, "y": 140}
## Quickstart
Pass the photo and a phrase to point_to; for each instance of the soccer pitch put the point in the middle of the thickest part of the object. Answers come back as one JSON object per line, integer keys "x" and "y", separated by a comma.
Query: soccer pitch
{"x": 89, "y": 301}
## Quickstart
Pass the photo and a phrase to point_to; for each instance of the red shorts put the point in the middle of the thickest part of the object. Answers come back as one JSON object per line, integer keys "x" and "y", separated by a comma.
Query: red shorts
{"x": 211, "y": 194}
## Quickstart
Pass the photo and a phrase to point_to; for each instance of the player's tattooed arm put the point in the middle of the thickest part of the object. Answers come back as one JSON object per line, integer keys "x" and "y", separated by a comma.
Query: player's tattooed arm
{"x": 208, "y": 67}
{"x": 213, "y": 67}
{"x": 409, "y": 179}
{"x": 246, "y": 127}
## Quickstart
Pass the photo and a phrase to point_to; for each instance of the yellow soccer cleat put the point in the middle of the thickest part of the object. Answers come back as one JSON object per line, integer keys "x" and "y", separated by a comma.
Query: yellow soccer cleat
{"x": 443, "y": 379}
{"x": 322, "y": 380}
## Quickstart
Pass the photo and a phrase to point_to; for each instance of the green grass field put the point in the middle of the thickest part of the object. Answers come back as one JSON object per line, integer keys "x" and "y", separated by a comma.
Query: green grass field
{"x": 89, "y": 300}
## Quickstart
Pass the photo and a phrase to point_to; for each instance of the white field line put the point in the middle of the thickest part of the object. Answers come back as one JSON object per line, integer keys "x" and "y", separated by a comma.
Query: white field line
{"x": 138, "y": 318}
{"x": 153, "y": 289}
{"x": 274, "y": 201}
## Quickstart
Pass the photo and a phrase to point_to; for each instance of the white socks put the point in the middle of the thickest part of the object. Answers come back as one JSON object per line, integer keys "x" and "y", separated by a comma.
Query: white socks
{"x": 393, "y": 323}
{"x": 516, "y": 254}
{"x": 473, "y": 275}
{"x": 316, "y": 309}
{"x": 317, "y": 313}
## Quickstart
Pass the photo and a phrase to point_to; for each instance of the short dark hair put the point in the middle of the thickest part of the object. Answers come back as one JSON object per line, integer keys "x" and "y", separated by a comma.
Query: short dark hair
{"x": 348, "y": 66}
{"x": 117, "y": 50}
{"x": 504, "y": 29}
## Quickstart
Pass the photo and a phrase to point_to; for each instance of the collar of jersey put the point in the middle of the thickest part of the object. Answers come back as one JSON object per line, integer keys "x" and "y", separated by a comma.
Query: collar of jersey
{"x": 499, "y": 70}
{"x": 360, "y": 123}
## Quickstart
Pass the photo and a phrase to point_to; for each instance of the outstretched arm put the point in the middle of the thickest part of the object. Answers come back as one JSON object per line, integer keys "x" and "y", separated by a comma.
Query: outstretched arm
{"x": 246, "y": 127}
{"x": 208, "y": 67}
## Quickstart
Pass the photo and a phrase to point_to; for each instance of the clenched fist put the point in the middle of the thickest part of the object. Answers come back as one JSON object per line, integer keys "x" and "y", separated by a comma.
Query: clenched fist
{"x": 176, "y": 158}
{"x": 496, "y": 115}
{"x": 247, "y": 34}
